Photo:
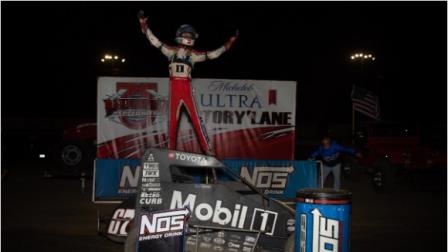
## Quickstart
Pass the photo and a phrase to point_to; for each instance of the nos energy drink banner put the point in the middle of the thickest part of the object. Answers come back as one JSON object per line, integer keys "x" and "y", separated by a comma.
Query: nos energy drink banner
{"x": 276, "y": 178}
{"x": 244, "y": 118}
{"x": 117, "y": 179}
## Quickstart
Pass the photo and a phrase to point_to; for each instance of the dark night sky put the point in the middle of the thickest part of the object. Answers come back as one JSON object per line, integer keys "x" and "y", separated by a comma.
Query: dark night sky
{"x": 51, "y": 51}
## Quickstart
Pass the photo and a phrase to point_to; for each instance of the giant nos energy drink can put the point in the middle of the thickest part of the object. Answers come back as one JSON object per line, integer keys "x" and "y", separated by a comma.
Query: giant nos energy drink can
{"x": 323, "y": 220}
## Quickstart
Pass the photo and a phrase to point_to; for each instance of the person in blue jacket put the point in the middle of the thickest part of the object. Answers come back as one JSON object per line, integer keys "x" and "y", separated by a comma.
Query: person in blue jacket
{"x": 330, "y": 152}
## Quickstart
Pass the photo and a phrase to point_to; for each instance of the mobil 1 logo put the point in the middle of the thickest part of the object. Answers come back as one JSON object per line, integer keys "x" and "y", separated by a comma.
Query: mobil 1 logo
{"x": 233, "y": 216}
{"x": 264, "y": 220}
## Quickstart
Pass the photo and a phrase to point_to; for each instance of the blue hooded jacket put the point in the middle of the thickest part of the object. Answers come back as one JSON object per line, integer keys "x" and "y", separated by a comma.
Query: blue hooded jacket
{"x": 330, "y": 156}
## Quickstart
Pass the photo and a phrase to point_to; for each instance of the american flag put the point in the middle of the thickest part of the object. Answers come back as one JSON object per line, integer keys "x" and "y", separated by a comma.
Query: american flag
{"x": 365, "y": 102}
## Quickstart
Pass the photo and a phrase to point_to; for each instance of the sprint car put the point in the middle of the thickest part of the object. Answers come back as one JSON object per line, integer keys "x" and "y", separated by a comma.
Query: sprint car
{"x": 229, "y": 213}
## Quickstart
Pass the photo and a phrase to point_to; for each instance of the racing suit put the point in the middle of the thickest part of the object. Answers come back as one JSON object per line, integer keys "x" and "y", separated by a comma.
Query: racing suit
{"x": 181, "y": 62}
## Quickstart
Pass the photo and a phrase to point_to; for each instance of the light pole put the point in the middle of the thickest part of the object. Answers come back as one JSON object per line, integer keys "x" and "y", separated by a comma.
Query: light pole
{"x": 359, "y": 57}
{"x": 362, "y": 57}
{"x": 113, "y": 60}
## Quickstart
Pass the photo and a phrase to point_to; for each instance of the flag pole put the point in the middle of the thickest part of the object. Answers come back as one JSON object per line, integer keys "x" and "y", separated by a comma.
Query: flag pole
{"x": 353, "y": 114}
{"x": 353, "y": 123}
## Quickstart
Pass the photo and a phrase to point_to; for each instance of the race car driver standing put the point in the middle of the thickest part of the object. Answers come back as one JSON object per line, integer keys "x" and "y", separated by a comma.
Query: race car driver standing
{"x": 181, "y": 62}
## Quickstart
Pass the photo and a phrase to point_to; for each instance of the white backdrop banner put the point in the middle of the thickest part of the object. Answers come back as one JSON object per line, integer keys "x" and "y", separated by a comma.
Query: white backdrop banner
{"x": 244, "y": 118}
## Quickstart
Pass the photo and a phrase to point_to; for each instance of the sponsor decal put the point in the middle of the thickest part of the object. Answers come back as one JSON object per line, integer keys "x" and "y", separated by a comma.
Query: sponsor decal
{"x": 150, "y": 187}
{"x": 215, "y": 214}
{"x": 264, "y": 221}
{"x": 205, "y": 245}
{"x": 218, "y": 248}
{"x": 219, "y": 241}
{"x": 250, "y": 239}
{"x": 248, "y": 244}
{"x": 270, "y": 180}
{"x": 163, "y": 224}
{"x": 206, "y": 238}
{"x": 200, "y": 160}
{"x": 325, "y": 233}
{"x": 135, "y": 105}
{"x": 129, "y": 180}
{"x": 150, "y": 158}
{"x": 233, "y": 245}
{"x": 291, "y": 225}
{"x": 235, "y": 216}
{"x": 303, "y": 233}
{"x": 229, "y": 86}
{"x": 151, "y": 198}
{"x": 191, "y": 240}
{"x": 120, "y": 221}
{"x": 247, "y": 249}
{"x": 236, "y": 237}
{"x": 150, "y": 174}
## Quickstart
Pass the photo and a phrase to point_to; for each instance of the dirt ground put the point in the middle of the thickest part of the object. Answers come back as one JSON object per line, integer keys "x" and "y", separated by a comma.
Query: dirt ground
{"x": 53, "y": 214}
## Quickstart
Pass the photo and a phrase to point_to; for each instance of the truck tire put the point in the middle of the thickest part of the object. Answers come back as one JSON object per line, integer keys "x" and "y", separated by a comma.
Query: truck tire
{"x": 290, "y": 242}
{"x": 74, "y": 156}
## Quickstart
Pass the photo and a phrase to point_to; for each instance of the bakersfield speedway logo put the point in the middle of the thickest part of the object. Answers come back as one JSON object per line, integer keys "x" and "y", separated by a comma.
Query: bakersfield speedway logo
{"x": 135, "y": 105}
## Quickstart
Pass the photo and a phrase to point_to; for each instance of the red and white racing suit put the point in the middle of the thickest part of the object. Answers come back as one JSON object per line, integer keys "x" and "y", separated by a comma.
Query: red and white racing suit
{"x": 181, "y": 62}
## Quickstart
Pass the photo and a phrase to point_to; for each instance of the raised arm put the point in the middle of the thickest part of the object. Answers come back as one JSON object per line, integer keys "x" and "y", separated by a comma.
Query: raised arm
{"x": 345, "y": 149}
{"x": 166, "y": 50}
{"x": 209, "y": 55}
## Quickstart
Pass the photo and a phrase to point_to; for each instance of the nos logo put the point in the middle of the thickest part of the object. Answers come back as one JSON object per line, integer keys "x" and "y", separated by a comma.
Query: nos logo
{"x": 163, "y": 221}
{"x": 325, "y": 233}
{"x": 129, "y": 179}
{"x": 135, "y": 104}
{"x": 270, "y": 179}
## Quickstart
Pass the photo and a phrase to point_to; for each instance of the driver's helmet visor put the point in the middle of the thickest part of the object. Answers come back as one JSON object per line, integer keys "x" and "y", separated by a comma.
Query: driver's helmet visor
{"x": 187, "y": 35}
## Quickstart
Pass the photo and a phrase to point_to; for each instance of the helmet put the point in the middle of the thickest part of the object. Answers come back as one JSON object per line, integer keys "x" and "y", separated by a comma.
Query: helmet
{"x": 186, "y": 35}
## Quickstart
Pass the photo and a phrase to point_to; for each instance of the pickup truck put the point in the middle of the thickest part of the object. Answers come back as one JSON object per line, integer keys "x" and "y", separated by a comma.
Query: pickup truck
{"x": 396, "y": 149}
